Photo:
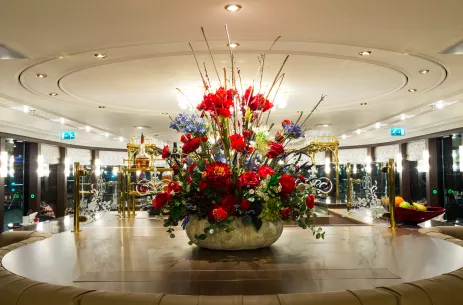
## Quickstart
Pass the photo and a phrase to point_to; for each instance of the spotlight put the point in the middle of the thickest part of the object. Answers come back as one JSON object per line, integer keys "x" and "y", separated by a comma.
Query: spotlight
{"x": 233, "y": 7}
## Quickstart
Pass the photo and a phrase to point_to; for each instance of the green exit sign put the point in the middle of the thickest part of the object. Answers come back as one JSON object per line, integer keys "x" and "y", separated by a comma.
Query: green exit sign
{"x": 397, "y": 132}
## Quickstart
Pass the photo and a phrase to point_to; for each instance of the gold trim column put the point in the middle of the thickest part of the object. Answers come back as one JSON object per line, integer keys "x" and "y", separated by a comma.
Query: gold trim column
{"x": 391, "y": 181}
{"x": 76, "y": 197}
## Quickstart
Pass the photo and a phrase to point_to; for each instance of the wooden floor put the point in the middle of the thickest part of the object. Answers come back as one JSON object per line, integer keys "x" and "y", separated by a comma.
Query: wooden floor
{"x": 137, "y": 255}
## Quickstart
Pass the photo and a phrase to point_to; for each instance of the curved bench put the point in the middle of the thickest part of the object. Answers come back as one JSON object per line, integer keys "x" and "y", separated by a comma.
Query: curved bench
{"x": 444, "y": 289}
{"x": 452, "y": 234}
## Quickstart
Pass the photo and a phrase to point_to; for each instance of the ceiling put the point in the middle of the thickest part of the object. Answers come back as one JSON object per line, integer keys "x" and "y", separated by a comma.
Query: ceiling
{"x": 148, "y": 57}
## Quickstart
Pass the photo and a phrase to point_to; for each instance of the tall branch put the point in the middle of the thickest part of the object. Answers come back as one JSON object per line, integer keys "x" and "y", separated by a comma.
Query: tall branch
{"x": 210, "y": 53}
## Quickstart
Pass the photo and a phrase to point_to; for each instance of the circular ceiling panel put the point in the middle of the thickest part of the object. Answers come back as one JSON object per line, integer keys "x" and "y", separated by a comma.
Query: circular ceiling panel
{"x": 149, "y": 84}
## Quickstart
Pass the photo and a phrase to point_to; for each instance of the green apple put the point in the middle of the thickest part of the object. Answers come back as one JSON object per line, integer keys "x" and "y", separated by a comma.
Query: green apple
{"x": 405, "y": 205}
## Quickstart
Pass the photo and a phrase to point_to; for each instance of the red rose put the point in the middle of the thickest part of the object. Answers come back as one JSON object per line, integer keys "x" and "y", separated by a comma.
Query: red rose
{"x": 189, "y": 179}
{"x": 165, "y": 152}
{"x": 248, "y": 179}
{"x": 310, "y": 201}
{"x": 245, "y": 205}
{"x": 211, "y": 210}
{"x": 219, "y": 214}
{"x": 191, "y": 145}
{"x": 202, "y": 185}
{"x": 285, "y": 213}
{"x": 287, "y": 183}
{"x": 228, "y": 204}
{"x": 192, "y": 167}
{"x": 161, "y": 200}
{"x": 275, "y": 150}
{"x": 279, "y": 137}
{"x": 237, "y": 142}
{"x": 265, "y": 171}
{"x": 285, "y": 122}
{"x": 174, "y": 186}
{"x": 302, "y": 178}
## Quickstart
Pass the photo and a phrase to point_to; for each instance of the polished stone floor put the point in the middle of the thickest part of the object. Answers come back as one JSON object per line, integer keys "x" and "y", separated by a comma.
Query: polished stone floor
{"x": 137, "y": 255}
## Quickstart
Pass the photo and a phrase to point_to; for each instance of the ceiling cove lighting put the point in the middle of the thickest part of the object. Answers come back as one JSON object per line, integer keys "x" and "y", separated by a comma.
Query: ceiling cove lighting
{"x": 100, "y": 55}
{"x": 233, "y": 45}
{"x": 323, "y": 125}
{"x": 365, "y": 53}
{"x": 424, "y": 71}
{"x": 41, "y": 75}
{"x": 233, "y": 7}
{"x": 412, "y": 90}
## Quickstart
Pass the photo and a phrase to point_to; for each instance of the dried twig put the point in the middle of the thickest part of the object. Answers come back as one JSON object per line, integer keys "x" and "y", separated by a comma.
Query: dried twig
{"x": 210, "y": 53}
{"x": 314, "y": 108}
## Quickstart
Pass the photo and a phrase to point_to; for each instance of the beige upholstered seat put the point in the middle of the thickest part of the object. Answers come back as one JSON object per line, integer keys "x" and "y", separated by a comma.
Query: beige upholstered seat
{"x": 451, "y": 234}
{"x": 444, "y": 289}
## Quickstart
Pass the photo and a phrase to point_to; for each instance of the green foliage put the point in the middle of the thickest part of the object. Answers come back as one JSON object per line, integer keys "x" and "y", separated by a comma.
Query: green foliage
{"x": 271, "y": 209}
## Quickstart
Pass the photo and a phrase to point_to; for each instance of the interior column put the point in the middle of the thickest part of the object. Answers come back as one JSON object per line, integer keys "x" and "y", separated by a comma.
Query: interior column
{"x": 61, "y": 185}
{"x": 31, "y": 178}
{"x": 2, "y": 189}
{"x": 404, "y": 175}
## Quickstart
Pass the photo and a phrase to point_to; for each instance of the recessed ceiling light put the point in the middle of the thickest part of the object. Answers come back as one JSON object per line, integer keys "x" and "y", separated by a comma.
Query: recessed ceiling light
{"x": 26, "y": 109}
{"x": 41, "y": 75}
{"x": 440, "y": 105}
{"x": 323, "y": 125}
{"x": 121, "y": 139}
{"x": 378, "y": 125}
{"x": 106, "y": 134}
{"x": 363, "y": 104}
{"x": 233, "y": 7}
{"x": 359, "y": 131}
{"x": 102, "y": 107}
{"x": 87, "y": 128}
{"x": 365, "y": 53}
{"x": 424, "y": 71}
{"x": 99, "y": 55}
{"x": 52, "y": 94}
{"x": 343, "y": 136}
{"x": 403, "y": 117}
{"x": 412, "y": 90}
{"x": 233, "y": 45}
{"x": 164, "y": 113}
{"x": 62, "y": 120}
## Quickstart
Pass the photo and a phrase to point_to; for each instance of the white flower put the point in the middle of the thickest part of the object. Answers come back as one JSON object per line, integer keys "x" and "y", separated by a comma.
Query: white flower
{"x": 251, "y": 192}
{"x": 172, "y": 193}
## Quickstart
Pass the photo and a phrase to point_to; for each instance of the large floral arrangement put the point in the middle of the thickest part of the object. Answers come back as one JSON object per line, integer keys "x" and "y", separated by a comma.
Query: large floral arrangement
{"x": 230, "y": 168}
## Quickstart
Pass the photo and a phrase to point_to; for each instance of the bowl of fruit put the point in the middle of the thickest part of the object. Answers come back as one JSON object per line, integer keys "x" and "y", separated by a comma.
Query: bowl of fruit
{"x": 414, "y": 213}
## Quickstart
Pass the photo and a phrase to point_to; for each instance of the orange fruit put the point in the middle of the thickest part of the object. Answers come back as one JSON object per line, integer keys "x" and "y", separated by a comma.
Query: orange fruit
{"x": 398, "y": 200}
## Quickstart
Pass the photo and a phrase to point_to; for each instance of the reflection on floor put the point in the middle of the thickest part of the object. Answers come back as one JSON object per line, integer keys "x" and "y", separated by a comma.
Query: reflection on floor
{"x": 137, "y": 255}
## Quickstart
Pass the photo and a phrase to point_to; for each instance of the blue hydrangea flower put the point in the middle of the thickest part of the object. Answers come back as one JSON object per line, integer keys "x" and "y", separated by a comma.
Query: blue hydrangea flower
{"x": 292, "y": 130}
{"x": 189, "y": 123}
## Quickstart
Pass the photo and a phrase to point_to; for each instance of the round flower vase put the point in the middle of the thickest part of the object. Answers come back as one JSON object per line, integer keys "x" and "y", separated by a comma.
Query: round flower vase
{"x": 244, "y": 237}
